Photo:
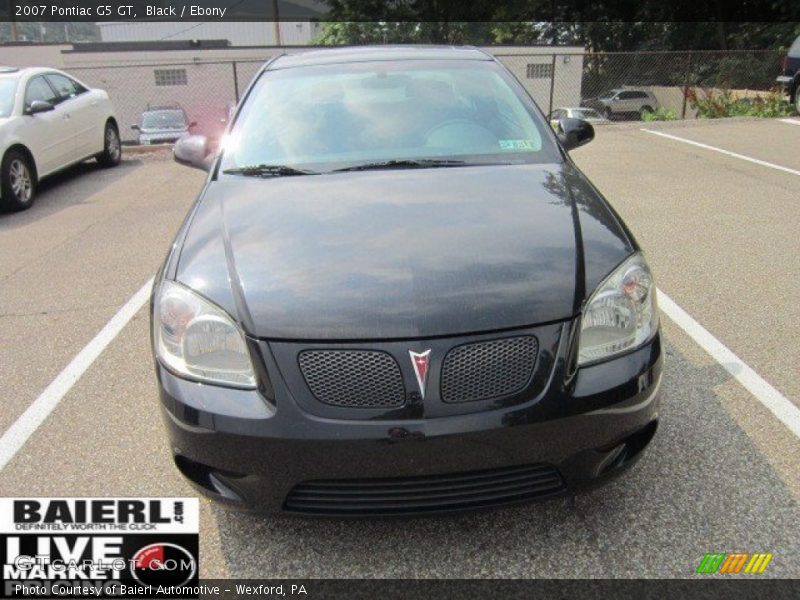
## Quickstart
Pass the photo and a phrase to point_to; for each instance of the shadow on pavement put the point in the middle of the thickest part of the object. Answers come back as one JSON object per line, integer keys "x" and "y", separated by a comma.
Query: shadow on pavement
{"x": 68, "y": 188}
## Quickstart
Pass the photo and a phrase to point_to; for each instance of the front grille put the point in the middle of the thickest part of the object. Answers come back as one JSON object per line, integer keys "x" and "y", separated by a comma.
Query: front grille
{"x": 433, "y": 493}
{"x": 353, "y": 378}
{"x": 486, "y": 370}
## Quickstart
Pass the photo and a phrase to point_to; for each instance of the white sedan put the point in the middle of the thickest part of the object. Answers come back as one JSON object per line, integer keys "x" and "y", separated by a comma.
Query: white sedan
{"x": 49, "y": 121}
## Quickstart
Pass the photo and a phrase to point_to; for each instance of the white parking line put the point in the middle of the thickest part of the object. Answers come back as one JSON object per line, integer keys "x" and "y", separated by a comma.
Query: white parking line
{"x": 790, "y": 121}
{"x": 763, "y": 163}
{"x": 29, "y": 421}
{"x": 786, "y": 412}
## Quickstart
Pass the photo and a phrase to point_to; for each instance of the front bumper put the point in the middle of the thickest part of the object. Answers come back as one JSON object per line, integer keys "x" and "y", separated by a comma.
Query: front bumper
{"x": 784, "y": 82}
{"x": 241, "y": 449}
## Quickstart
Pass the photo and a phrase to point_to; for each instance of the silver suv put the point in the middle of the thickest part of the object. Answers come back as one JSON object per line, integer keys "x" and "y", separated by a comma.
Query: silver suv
{"x": 625, "y": 102}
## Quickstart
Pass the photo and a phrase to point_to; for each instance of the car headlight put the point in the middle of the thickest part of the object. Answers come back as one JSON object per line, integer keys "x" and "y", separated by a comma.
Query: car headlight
{"x": 621, "y": 314}
{"x": 197, "y": 339}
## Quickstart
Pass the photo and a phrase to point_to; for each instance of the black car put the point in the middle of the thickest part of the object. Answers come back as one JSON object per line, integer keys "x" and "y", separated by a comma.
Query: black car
{"x": 790, "y": 78}
{"x": 397, "y": 294}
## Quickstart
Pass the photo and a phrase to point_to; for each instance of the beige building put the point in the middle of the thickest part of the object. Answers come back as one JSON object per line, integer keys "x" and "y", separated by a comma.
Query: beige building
{"x": 206, "y": 76}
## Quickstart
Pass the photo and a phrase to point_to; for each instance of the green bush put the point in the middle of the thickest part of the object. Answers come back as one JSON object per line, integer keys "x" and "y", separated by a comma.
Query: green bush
{"x": 711, "y": 105}
{"x": 662, "y": 114}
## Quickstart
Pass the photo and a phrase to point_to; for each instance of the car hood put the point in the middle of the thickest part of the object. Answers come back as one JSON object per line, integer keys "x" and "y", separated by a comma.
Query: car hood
{"x": 401, "y": 253}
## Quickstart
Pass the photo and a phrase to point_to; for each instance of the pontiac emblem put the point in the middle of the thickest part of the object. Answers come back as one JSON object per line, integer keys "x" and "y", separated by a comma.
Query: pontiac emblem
{"x": 420, "y": 362}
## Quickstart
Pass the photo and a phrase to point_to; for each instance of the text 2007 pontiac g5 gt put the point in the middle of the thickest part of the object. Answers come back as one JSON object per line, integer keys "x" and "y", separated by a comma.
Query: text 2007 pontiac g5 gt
{"x": 397, "y": 294}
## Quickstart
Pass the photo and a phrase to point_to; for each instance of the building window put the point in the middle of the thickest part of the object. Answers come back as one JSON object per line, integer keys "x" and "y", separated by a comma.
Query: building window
{"x": 539, "y": 71}
{"x": 170, "y": 77}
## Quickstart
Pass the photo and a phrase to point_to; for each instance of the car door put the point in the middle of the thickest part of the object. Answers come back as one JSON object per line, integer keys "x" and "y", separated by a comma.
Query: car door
{"x": 80, "y": 106}
{"x": 623, "y": 102}
{"x": 47, "y": 134}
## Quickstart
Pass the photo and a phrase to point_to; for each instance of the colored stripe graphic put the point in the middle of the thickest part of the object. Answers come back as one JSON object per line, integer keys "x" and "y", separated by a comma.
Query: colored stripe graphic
{"x": 758, "y": 563}
{"x": 711, "y": 563}
{"x": 734, "y": 562}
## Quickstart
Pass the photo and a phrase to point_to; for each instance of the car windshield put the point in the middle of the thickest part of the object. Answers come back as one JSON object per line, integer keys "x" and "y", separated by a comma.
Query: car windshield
{"x": 586, "y": 113}
{"x": 159, "y": 119}
{"x": 340, "y": 116}
{"x": 8, "y": 85}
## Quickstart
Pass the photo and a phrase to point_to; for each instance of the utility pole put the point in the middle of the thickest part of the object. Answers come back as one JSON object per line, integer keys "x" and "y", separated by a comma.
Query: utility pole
{"x": 14, "y": 32}
{"x": 276, "y": 24}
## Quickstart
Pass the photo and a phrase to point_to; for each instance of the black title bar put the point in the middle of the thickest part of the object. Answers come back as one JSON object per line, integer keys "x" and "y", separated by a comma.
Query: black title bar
{"x": 399, "y": 10}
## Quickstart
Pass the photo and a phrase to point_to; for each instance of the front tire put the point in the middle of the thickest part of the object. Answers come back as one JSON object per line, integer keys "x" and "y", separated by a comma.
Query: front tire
{"x": 797, "y": 99}
{"x": 17, "y": 182}
{"x": 112, "y": 149}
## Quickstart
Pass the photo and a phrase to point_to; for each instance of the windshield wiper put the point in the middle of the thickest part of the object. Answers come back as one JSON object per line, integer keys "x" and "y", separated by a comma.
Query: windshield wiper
{"x": 421, "y": 163}
{"x": 268, "y": 171}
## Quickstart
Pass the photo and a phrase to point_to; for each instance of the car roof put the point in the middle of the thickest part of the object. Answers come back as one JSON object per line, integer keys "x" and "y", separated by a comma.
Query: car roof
{"x": 377, "y": 53}
{"x": 27, "y": 71}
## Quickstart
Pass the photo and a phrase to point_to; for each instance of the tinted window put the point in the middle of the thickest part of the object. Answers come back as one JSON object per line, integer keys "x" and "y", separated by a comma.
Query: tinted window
{"x": 340, "y": 115}
{"x": 8, "y": 87}
{"x": 66, "y": 87}
{"x": 638, "y": 95}
{"x": 39, "y": 89}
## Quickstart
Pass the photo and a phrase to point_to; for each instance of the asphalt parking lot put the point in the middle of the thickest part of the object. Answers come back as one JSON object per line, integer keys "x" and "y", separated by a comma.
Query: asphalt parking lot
{"x": 722, "y": 475}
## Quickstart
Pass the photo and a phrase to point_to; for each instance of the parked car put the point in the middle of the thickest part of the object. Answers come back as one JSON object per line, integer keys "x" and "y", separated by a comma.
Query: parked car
{"x": 397, "y": 294}
{"x": 48, "y": 121}
{"x": 163, "y": 125}
{"x": 627, "y": 102}
{"x": 790, "y": 78}
{"x": 583, "y": 113}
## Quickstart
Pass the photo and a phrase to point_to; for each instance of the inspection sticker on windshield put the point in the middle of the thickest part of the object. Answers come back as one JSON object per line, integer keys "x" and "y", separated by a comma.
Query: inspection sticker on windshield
{"x": 516, "y": 145}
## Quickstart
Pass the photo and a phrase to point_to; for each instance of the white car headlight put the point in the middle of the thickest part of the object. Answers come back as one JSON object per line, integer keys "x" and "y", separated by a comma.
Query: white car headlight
{"x": 197, "y": 339}
{"x": 621, "y": 314}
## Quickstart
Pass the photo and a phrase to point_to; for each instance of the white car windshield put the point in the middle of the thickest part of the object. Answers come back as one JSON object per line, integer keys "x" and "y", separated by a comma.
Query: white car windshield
{"x": 8, "y": 86}
{"x": 334, "y": 116}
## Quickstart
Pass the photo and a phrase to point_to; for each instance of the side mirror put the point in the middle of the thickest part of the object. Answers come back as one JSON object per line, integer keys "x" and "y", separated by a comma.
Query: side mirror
{"x": 39, "y": 106}
{"x": 194, "y": 151}
{"x": 135, "y": 127}
{"x": 574, "y": 132}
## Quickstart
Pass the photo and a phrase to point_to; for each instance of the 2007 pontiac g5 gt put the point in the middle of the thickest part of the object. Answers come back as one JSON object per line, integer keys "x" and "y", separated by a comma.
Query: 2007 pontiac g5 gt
{"x": 396, "y": 294}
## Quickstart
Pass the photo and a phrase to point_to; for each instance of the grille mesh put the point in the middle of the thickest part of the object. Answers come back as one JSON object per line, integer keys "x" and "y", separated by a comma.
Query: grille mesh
{"x": 425, "y": 494}
{"x": 353, "y": 378}
{"x": 489, "y": 369}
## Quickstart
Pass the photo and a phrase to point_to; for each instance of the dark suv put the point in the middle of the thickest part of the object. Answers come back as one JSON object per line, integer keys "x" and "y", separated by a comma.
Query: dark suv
{"x": 790, "y": 79}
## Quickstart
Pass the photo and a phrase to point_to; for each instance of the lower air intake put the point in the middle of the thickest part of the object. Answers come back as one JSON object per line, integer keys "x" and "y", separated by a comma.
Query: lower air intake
{"x": 427, "y": 494}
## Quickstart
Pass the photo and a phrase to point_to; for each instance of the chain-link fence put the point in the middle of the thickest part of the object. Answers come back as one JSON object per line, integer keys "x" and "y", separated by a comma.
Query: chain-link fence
{"x": 617, "y": 85}
{"x": 206, "y": 91}
{"x": 623, "y": 85}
